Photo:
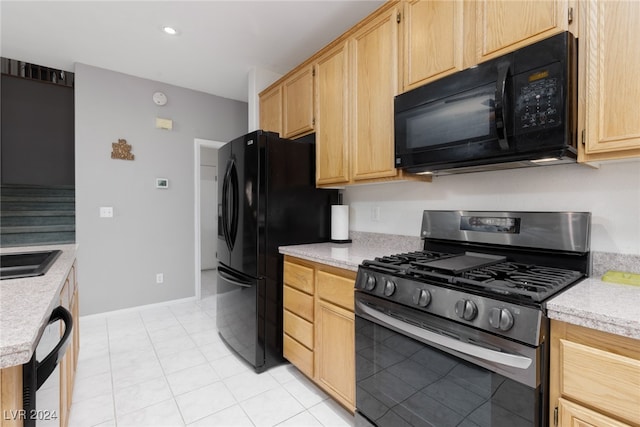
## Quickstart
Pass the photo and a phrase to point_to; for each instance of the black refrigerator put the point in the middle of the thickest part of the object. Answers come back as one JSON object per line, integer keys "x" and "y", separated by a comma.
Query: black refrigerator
{"x": 267, "y": 199}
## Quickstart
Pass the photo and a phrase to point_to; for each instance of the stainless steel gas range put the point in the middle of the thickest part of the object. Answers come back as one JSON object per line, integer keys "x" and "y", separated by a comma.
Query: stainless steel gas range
{"x": 457, "y": 334}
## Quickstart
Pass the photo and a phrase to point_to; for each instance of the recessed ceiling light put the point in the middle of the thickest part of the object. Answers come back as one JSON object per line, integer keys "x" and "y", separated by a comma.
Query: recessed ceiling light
{"x": 170, "y": 30}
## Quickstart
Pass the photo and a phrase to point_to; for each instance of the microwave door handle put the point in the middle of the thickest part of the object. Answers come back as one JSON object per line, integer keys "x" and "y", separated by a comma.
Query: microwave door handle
{"x": 501, "y": 123}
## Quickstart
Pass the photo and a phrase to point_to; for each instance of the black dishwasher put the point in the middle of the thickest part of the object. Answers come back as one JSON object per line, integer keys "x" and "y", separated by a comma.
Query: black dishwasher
{"x": 41, "y": 405}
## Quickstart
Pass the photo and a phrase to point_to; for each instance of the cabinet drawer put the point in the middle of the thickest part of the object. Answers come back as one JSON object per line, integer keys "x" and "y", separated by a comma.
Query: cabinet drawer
{"x": 299, "y": 355}
{"x": 298, "y": 276}
{"x": 298, "y": 303}
{"x": 601, "y": 379}
{"x": 299, "y": 329}
{"x": 571, "y": 414}
{"x": 336, "y": 289}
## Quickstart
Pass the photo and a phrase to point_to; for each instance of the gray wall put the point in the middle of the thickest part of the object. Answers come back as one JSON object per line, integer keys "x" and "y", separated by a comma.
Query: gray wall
{"x": 152, "y": 230}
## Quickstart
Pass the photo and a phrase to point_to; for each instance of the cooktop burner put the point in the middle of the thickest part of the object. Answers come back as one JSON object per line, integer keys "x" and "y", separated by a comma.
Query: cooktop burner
{"x": 479, "y": 273}
{"x": 493, "y": 271}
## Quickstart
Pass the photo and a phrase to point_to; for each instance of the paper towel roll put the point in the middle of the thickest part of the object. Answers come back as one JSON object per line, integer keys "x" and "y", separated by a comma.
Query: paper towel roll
{"x": 339, "y": 222}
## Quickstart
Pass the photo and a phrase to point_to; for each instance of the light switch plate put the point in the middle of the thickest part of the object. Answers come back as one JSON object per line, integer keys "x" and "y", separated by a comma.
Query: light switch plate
{"x": 106, "y": 212}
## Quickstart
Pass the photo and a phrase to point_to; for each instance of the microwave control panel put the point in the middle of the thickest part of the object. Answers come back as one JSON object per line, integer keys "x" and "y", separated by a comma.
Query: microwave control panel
{"x": 539, "y": 99}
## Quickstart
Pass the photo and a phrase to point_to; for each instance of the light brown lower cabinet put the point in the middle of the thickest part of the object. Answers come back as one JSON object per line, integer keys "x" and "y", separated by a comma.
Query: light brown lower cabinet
{"x": 321, "y": 342}
{"x": 595, "y": 377}
{"x": 11, "y": 378}
{"x": 571, "y": 414}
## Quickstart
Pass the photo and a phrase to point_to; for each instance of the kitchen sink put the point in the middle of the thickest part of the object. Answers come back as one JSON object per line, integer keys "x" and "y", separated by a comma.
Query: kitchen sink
{"x": 26, "y": 264}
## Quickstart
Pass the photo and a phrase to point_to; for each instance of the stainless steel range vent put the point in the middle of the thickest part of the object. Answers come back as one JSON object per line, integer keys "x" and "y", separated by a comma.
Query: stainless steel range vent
{"x": 25, "y": 70}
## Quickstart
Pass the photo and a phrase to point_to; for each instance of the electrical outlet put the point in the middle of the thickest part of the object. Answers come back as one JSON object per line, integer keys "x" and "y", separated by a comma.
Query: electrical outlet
{"x": 159, "y": 278}
{"x": 375, "y": 213}
{"x": 106, "y": 212}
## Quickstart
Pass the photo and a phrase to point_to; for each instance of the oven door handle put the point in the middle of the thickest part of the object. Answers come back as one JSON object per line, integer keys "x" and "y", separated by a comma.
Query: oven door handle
{"x": 495, "y": 357}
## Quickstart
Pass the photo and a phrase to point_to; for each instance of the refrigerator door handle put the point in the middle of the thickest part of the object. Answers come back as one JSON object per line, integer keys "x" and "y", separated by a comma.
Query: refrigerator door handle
{"x": 233, "y": 227}
{"x": 225, "y": 205}
{"x": 228, "y": 275}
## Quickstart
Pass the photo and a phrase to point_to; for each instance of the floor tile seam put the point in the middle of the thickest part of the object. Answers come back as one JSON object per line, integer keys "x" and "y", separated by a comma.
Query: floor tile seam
{"x": 91, "y": 397}
{"x": 326, "y": 396}
{"x": 164, "y": 377}
{"x": 173, "y": 352}
{"x": 137, "y": 382}
{"x": 326, "y": 403}
{"x": 172, "y": 398}
{"x": 235, "y": 402}
{"x": 293, "y": 416}
{"x": 254, "y": 395}
{"x": 169, "y": 356}
{"x": 175, "y": 395}
{"x": 113, "y": 386}
{"x": 246, "y": 414}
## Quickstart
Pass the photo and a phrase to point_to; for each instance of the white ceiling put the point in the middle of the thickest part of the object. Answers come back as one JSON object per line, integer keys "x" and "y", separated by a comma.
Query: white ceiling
{"x": 219, "y": 41}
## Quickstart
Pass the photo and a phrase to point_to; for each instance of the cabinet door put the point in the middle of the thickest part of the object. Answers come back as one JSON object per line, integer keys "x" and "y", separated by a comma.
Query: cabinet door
{"x": 433, "y": 37}
{"x": 503, "y": 26}
{"x": 11, "y": 393}
{"x": 332, "y": 124}
{"x": 374, "y": 51}
{"x": 572, "y": 415}
{"x": 612, "y": 85}
{"x": 271, "y": 110}
{"x": 335, "y": 352}
{"x": 297, "y": 103}
{"x": 601, "y": 379}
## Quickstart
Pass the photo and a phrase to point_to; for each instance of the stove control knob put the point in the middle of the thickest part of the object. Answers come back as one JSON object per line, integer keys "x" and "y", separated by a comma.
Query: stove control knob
{"x": 389, "y": 288}
{"x": 466, "y": 309}
{"x": 421, "y": 297}
{"x": 370, "y": 283}
{"x": 501, "y": 318}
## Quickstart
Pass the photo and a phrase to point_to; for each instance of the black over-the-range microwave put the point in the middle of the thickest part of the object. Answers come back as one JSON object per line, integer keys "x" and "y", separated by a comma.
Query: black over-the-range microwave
{"x": 516, "y": 110}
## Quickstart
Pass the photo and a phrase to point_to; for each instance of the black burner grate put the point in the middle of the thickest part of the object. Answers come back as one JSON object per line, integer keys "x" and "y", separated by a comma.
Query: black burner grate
{"x": 515, "y": 280}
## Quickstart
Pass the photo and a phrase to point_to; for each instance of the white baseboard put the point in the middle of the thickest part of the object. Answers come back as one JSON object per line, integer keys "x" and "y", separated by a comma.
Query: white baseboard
{"x": 138, "y": 308}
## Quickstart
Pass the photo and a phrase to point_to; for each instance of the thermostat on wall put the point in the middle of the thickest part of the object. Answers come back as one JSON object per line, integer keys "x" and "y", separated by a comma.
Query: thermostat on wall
{"x": 162, "y": 183}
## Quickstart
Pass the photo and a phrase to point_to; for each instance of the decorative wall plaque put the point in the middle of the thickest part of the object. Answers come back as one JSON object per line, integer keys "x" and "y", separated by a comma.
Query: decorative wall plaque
{"x": 121, "y": 150}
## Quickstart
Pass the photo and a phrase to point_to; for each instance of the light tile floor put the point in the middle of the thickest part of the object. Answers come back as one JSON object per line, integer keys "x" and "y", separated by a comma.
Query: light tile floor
{"x": 167, "y": 366}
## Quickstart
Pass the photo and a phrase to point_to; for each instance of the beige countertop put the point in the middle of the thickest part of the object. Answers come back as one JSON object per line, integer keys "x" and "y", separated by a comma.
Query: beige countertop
{"x": 592, "y": 303}
{"x": 607, "y": 307}
{"x": 350, "y": 255}
{"x": 26, "y": 304}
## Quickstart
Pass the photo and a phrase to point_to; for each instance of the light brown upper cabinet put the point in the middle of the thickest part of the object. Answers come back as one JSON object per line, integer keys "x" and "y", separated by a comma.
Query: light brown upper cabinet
{"x": 271, "y": 109}
{"x": 610, "y": 59}
{"x": 433, "y": 33}
{"x": 356, "y": 79}
{"x": 286, "y": 107}
{"x": 503, "y": 25}
{"x": 332, "y": 124}
{"x": 374, "y": 83}
{"x": 297, "y": 103}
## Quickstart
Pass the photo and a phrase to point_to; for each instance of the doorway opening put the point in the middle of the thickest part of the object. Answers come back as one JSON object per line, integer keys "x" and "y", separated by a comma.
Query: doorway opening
{"x": 205, "y": 215}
